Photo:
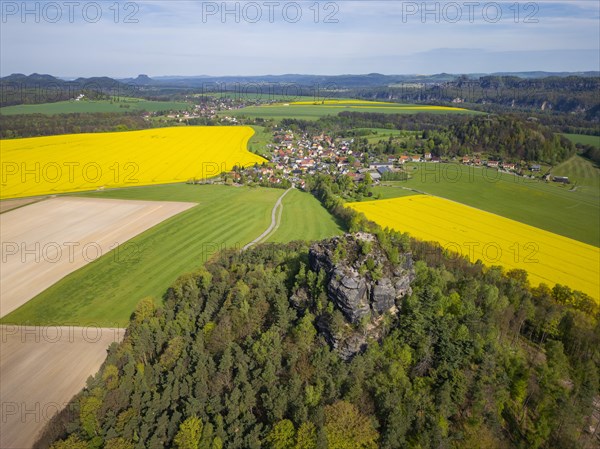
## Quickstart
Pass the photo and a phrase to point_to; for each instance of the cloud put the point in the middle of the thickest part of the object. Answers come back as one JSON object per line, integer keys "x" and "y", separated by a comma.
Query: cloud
{"x": 192, "y": 37}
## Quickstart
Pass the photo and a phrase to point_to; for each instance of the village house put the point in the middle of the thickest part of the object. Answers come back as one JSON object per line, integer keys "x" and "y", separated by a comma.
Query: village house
{"x": 403, "y": 159}
{"x": 492, "y": 163}
{"x": 376, "y": 165}
{"x": 383, "y": 169}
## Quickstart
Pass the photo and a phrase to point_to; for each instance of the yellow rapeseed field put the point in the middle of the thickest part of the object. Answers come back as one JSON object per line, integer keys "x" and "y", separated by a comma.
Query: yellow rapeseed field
{"x": 495, "y": 240}
{"x": 342, "y": 102}
{"x": 78, "y": 162}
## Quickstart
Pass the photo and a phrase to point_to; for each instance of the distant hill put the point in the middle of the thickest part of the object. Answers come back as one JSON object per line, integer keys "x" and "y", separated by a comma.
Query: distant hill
{"x": 42, "y": 88}
{"x": 535, "y": 89}
{"x": 341, "y": 81}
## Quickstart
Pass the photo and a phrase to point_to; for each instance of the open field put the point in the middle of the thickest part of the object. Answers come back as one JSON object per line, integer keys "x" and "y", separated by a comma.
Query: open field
{"x": 495, "y": 240}
{"x": 106, "y": 291}
{"x": 82, "y": 162}
{"x": 304, "y": 218}
{"x": 83, "y": 106}
{"x": 374, "y": 135}
{"x": 42, "y": 369}
{"x": 44, "y": 242}
{"x": 584, "y": 139}
{"x": 259, "y": 140}
{"x": 580, "y": 171}
{"x": 550, "y": 206}
{"x": 309, "y": 110}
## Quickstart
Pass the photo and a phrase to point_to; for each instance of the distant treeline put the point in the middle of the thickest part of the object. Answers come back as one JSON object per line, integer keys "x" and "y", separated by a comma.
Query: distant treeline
{"x": 573, "y": 94}
{"x": 592, "y": 153}
{"x": 32, "y": 125}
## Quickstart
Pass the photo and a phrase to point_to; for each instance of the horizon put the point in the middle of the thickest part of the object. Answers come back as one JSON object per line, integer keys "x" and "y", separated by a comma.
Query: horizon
{"x": 153, "y": 77}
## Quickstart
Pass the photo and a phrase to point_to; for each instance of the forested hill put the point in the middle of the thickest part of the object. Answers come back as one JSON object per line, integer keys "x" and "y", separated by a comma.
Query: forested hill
{"x": 241, "y": 355}
{"x": 508, "y": 137}
{"x": 35, "y": 88}
{"x": 503, "y": 137}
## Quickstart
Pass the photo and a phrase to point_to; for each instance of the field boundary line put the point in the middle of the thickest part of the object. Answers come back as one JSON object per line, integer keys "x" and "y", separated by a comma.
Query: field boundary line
{"x": 275, "y": 221}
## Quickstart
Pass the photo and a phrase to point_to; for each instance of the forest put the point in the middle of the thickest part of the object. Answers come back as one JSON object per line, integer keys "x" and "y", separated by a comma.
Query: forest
{"x": 471, "y": 357}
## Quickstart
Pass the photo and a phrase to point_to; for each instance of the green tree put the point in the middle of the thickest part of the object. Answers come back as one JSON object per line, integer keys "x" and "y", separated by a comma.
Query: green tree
{"x": 88, "y": 415}
{"x": 189, "y": 434}
{"x": 307, "y": 436}
{"x": 119, "y": 443}
{"x": 282, "y": 435}
{"x": 73, "y": 442}
{"x": 346, "y": 428}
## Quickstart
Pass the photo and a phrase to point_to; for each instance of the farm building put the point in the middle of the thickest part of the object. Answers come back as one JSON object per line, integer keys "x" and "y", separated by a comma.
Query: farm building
{"x": 561, "y": 179}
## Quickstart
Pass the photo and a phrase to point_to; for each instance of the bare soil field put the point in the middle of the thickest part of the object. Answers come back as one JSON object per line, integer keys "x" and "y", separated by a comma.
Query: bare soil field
{"x": 45, "y": 241}
{"x": 41, "y": 369}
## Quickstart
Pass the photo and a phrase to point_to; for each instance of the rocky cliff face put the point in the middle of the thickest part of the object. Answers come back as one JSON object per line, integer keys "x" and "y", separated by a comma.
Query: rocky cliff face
{"x": 363, "y": 285}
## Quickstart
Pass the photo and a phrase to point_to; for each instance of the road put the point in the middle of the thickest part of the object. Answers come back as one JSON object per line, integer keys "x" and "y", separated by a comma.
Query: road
{"x": 275, "y": 220}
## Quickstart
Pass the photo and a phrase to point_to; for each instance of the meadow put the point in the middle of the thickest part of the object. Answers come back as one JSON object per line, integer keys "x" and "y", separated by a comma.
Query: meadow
{"x": 580, "y": 171}
{"x": 87, "y": 106}
{"x": 259, "y": 141}
{"x": 312, "y": 110}
{"x": 495, "y": 240}
{"x": 304, "y": 218}
{"x": 546, "y": 205}
{"x": 584, "y": 139}
{"x": 106, "y": 291}
{"x": 83, "y": 162}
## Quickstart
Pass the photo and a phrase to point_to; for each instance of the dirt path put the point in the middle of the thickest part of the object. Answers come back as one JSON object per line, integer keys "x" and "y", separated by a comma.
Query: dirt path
{"x": 275, "y": 222}
{"x": 42, "y": 368}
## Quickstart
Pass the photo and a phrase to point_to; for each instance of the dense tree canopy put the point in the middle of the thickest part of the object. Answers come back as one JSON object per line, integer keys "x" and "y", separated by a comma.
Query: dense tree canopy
{"x": 474, "y": 358}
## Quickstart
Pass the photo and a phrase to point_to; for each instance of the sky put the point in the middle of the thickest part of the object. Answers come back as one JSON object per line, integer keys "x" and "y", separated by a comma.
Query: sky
{"x": 187, "y": 38}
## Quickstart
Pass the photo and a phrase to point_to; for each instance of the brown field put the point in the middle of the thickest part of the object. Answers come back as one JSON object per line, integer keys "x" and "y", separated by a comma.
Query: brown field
{"x": 42, "y": 369}
{"x": 6, "y": 205}
{"x": 45, "y": 241}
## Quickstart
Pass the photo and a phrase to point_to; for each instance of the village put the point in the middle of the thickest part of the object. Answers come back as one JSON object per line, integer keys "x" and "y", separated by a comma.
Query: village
{"x": 293, "y": 156}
